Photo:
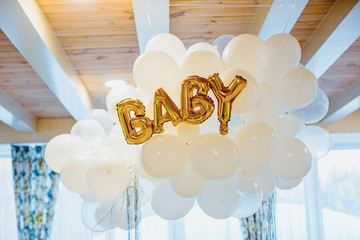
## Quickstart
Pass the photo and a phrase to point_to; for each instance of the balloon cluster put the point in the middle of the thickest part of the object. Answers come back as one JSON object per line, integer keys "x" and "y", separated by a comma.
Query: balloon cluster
{"x": 268, "y": 144}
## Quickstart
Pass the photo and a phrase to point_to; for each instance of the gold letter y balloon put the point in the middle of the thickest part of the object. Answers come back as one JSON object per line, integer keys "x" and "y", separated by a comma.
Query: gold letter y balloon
{"x": 225, "y": 97}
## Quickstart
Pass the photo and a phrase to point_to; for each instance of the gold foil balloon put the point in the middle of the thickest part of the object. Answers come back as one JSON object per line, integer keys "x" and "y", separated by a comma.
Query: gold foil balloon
{"x": 161, "y": 99}
{"x": 136, "y": 129}
{"x": 225, "y": 97}
{"x": 195, "y": 108}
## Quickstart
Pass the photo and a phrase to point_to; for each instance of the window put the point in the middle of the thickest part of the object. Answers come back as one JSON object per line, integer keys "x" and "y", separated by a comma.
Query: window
{"x": 326, "y": 205}
{"x": 339, "y": 175}
{"x": 291, "y": 213}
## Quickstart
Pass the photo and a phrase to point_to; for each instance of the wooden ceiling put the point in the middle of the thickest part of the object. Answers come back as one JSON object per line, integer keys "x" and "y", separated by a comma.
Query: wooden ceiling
{"x": 99, "y": 37}
{"x": 22, "y": 83}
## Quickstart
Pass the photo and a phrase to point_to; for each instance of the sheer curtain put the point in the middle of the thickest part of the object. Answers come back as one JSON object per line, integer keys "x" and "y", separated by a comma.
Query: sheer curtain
{"x": 8, "y": 230}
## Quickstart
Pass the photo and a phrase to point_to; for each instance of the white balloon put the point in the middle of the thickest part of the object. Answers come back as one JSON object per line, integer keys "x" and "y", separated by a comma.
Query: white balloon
{"x": 153, "y": 70}
{"x": 188, "y": 132}
{"x": 267, "y": 108}
{"x": 142, "y": 172}
{"x": 61, "y": 148}
{"x": 115, "y": 96}
{"x": 88, "y": 216}
{"x": 73, "y": 172}
{"x": 288, "y": 125}
{"x": 144, "y": 97}
{"x": 91, "y": 197}
{"x": 220, "y": 42}
{"x": 285, "y": 184}
{"x": 283, "y": 52}
{"x": 146, "y": 187}
{"x": 318, "y": 141}
{"x": 149, "y": 109}
{"x": 202, "y": 46}
{"x": 241, "y": 198}
{"x": 256, "y": 143}
{"x": 113, "y": 213}
{"x": 121, "y": 220}
{"x": 292, "y": 159}
{"x": 102, "y": 117}
{"x": 301, "y": 135}
{"x": 119, "y": 93}
{"x": 169, "y": 44}
{"x": 163, "y": 156}
{"x": 201, "y": 63}
{"x": 245, "y": 51}
{"x": 107, "y": 177}
{"x": 116, "y": 145}
{"x": 297, "y": 87}
{"x": 210, "y": 202}
{"x": 169, "y": 128}
{"x": 228, "y": 75}
{"x": 90, "y": 131}
{"x": 168, "y": 205}
{"x": 211, "y": 125}
{"x": 105, "y": 214}
{"x": 187, "y": 183}
{"x": 235, "y": 124}
{"x": 315, "y": 110}
{"x": 265, "y": 179}
{"x": 214, "y": 156}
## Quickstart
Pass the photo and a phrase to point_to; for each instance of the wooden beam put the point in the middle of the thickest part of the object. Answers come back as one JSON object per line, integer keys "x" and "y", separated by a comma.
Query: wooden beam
{"x": 47, "y": 128}
{"x": 345, "y": 103}
{"x": 336, "y": 33}
{"x": 25, "y": 25}
{"x": 15, "y": 115}
{"x": 349, "y": 123}
{"x": 151, "y": 18}
{"x": 280, "y": 18}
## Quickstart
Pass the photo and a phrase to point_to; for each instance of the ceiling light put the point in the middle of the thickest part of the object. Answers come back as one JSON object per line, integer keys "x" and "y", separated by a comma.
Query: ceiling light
{"x": 115, "y": 83}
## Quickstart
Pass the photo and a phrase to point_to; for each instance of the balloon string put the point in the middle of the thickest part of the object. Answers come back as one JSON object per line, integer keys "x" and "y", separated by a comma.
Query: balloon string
{"x": 109, "y": 213}
{"x": 133, "y": 210}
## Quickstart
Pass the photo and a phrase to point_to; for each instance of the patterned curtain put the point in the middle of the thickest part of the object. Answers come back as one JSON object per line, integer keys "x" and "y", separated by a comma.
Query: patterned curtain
{"x": 261, "y": 225}
{"x": 35, "y": 187}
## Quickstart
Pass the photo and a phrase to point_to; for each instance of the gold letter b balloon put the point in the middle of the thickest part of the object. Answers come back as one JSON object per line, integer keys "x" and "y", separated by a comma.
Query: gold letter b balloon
{"x": 138, "y": 129}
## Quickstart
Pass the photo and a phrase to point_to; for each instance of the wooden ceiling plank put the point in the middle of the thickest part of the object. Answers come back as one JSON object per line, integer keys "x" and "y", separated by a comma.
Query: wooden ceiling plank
{"x": 15, "y": 115}
{"x": 150, "y": 19}
{"x": 334, "y": 35}
{"x": 23, "y": 19}
{"x": 47, "y": 128}
{"x": 280, "y": 18}
{"x": 345, "y": 103}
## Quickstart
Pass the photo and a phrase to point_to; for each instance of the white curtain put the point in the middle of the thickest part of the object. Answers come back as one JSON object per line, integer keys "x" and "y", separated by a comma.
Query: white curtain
{"x": 8, "y": 229}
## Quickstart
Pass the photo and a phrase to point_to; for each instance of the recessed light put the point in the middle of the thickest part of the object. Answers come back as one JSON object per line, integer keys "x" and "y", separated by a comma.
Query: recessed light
{"x": 115, "y": 83}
